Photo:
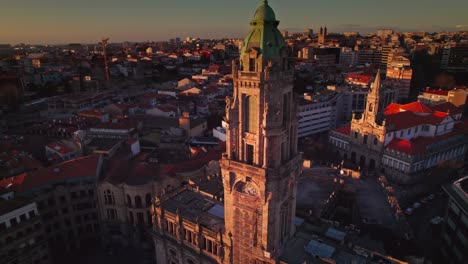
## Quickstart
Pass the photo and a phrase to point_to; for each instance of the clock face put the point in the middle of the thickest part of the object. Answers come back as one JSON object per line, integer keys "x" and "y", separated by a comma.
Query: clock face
{"x": 250, "y": 190}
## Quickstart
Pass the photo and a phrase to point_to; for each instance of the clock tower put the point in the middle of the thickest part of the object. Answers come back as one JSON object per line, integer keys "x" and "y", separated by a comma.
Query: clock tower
{"x": 261, "y": 163}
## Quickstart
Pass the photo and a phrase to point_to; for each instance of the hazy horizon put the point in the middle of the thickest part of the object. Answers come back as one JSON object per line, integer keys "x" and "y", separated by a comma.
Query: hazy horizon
{"x": 86, "y": 21}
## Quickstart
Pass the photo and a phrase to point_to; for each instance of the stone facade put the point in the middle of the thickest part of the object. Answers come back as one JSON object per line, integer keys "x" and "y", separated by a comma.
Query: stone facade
{"x": 403, "y": 141}
{"x": 259, "y": 169}
{"x": 367, "y": 135}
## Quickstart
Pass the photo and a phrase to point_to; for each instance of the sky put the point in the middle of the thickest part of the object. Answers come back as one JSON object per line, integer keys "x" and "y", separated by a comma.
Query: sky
{"x": 88, "y": 21}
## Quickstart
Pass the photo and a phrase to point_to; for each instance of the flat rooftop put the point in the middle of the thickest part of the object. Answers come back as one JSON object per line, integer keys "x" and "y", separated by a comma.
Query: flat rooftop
{"x": 196, "y": 207}
{"x": 458, "y": 192}
{"x": 7, "y": 206}
{"x": 103, "y": 144}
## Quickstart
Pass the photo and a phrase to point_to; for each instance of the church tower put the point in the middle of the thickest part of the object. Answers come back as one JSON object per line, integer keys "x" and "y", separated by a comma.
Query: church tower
{"x": 371, "y": 114}
{"x": 261, "y": 163}
{"x": 367, "y": 136}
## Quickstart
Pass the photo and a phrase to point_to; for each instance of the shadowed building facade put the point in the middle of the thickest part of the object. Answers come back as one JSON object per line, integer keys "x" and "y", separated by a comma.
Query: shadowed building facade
{"x": 259, "y": 169}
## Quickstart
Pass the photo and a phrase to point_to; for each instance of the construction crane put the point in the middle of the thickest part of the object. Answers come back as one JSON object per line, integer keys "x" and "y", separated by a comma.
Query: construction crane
{"x": 104, "y": 52}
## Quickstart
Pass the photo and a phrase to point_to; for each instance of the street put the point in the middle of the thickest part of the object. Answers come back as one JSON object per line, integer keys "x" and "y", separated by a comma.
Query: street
{"x": 427, "y": 240}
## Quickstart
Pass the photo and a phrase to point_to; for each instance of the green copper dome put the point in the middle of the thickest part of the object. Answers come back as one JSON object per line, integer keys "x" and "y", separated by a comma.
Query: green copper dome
{"x": 265, "y": 13}
{"x": 264, "y": 34}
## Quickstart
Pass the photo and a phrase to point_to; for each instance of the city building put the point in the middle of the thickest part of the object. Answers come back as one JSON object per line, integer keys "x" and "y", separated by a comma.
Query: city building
{"x": 259, "y": 168}
{"x": 455, "y": 96}
{"x": 432, "y": 96}
{"x": 455, "y": 57}
{"x": 353, "y": 96}
{"x": 63, "y": 150}
{"x": 455, "y": 230}
{"x": 399, "y": 75}
{"x": 405, "y": 141}
{"x": 22, "y": 237}
{"x": 348, "y": 57}
{"x": 66, "y": 202}
{"x": 317, "y": 113}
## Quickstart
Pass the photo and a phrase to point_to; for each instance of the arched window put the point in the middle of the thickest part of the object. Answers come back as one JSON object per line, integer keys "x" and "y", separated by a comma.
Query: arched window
{"x": 129, "y": 201}
{"x": 251, "y": 114}
{"x": 364, "y": 141}
{"x": 138, "y": 203}
{"x": 371, "y": 107}
{"x": 109, "y": 197}
{"x": 148, "y": 199}
{"x": 375, "y": 141}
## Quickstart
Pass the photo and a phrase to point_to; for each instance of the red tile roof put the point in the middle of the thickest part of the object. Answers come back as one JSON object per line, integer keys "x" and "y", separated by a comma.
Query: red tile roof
{"x": 407, "y": 119}
{"x": 359, "y": 78}
{"x": 345, "y": 130}
{"x": 416, "y": 146}
{"x": 417, "y": 107}
{"x": 80, "y": 167}
{"x": 447, "y": 107}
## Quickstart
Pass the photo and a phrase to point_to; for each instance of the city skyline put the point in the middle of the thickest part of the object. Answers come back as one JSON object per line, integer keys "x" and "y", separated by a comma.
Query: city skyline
{"x": 87, "y": 22}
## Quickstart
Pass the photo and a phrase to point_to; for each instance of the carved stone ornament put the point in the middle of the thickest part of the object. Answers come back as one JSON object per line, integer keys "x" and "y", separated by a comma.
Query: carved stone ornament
{"x": 248, "y": 188}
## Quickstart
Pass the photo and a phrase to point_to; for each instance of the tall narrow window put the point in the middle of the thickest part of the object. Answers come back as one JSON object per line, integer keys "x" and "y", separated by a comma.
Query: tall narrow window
{"x": 138, "y": 203}
{"x": 249, "y": 154}
{"x": 252, "y": 64}
{"x": 148, "y": 200}
{"x": 371, "y": 107}
{"x": 365, "y": 139}
{"x": 109, "y": 198}
{"x": 251, "y": 114}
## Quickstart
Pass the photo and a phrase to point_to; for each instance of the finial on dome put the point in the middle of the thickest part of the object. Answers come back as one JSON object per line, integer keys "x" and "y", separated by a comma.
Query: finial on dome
{"x": 265, "y": 2}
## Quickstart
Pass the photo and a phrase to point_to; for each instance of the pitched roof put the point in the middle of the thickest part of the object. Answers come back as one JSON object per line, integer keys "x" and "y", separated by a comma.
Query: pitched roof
{"x": 407, "y": 119}
{"x": 417, "y": 107}
{"x": 417, "y": 146}
{"x": 80, "y": 167}
{"x": 447, "y": 107}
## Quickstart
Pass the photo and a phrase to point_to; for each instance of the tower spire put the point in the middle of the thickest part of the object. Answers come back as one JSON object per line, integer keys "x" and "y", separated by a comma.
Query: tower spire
{"x": 376, "y": 83}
